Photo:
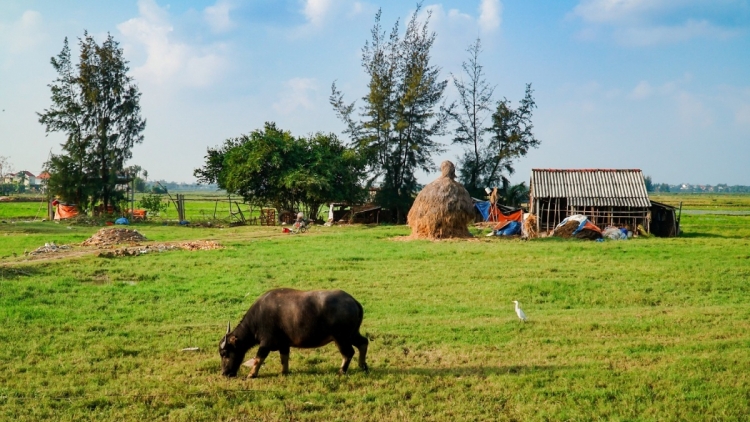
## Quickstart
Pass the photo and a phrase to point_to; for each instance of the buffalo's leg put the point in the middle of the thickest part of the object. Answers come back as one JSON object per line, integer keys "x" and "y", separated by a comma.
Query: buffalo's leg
{"x": 259, "y": 358}
{"x": 284, "y": 353}
{"x": 347, "y": 351}
{"x": 361, "y": 344}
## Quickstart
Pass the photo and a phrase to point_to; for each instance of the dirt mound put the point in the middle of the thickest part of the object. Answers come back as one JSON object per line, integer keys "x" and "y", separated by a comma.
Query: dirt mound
{"x": 108, "y": 237}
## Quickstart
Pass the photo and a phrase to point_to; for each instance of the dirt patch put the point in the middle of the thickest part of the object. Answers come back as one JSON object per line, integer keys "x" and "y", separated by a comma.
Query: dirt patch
{"x": 109, "y": 237}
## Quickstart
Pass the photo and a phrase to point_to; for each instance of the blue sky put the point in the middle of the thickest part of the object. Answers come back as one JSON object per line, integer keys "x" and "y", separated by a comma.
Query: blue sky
{"x": 660, "y": 85}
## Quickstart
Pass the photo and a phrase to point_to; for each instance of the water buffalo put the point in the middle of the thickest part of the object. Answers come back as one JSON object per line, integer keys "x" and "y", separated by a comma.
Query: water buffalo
{"x": 284, "y": 318}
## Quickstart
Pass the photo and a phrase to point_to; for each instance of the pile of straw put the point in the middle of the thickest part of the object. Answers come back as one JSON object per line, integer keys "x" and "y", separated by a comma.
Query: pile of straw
{"x": 443, "y": 209}
{"x": 566, "y": 231}
{"x": 529, "y": 227}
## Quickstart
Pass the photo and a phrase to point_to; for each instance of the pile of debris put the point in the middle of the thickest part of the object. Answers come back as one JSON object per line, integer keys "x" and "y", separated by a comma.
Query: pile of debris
{"x": 49, "y": 248}
{"x": 108, "y": 237}
{"x": 200, "y": 245}
{"x": 196, "y": 245}
{"x": 577, "y": 226}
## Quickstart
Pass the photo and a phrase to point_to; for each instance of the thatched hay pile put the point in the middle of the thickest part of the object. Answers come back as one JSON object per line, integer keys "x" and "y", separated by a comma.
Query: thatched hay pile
{"x": 529, "y": 227}
{"x": 443, "y": 209}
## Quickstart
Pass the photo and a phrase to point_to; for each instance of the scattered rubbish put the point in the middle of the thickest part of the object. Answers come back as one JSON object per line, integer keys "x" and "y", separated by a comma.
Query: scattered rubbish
{"x": 191, "y": 349}
{"x": 615, "y": 233}
{"x": 642, "y": 231}
{"x": 108, "y": 237}
{"x": 184, "y": 223}
{"x": 49, "y": 248}
{"x": 195, "y": 245}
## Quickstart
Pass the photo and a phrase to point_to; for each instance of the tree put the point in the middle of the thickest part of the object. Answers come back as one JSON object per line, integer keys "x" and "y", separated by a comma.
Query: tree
{"x": 649, "y": 184}
{"x": 511, "y": 137}
{"x": 97, "y": 105}
{"x": 474, "y": 106}
{"x": 401, "y": 115}
{"x": 5, "y": 167}
{"x": 271, "y": 167}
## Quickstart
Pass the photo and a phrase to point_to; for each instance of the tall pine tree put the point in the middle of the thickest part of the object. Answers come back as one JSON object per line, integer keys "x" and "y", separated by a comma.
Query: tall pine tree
{"x": 97, "y": 105}
{"x": 402, "y": 112}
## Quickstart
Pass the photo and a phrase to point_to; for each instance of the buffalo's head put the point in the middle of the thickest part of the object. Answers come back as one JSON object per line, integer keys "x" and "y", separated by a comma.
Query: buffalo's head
{"x": 231, "y": 354}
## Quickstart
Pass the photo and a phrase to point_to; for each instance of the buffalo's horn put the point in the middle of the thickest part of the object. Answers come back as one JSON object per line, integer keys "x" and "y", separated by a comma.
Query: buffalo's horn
{"x": 223, "y": 344}
{"x": 229, "y": 327}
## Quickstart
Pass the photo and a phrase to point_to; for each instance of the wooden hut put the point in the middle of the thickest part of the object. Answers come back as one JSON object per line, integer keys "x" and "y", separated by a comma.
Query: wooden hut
{"x": 608, "y": 197}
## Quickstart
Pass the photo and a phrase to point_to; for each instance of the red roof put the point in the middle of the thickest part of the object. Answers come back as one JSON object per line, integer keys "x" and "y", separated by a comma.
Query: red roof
{"x": 43, "y": 175}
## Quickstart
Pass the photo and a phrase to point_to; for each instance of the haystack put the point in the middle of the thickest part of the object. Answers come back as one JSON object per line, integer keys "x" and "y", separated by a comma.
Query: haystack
{"x": 443, "y": 209}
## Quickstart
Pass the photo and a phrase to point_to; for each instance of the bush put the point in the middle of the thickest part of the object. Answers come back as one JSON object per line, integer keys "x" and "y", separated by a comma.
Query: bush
{"x": 152, "y": 203}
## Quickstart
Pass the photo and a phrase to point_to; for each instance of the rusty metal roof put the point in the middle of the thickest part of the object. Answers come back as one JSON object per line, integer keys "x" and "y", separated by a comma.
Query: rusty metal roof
{"x": 591, "y": 187}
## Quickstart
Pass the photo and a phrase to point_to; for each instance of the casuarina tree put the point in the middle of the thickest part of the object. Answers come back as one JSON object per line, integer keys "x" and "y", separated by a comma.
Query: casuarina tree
{"x": 97, "y": 106}
{"x": 401, "y": 115}
{"x": 490, "y": 149}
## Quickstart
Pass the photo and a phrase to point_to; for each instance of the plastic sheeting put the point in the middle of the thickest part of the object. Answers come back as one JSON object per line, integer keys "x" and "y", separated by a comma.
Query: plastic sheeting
{"x": 512, "y": 228}
{"x": 65, "y": 211}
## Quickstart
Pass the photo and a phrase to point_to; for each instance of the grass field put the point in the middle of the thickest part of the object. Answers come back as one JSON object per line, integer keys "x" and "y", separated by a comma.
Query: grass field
{"x": 646, "y": 329}
{"x": 198, "y": 206}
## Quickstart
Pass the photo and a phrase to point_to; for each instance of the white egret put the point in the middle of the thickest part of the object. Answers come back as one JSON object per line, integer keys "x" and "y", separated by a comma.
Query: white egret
{"x": 519, "y": 312}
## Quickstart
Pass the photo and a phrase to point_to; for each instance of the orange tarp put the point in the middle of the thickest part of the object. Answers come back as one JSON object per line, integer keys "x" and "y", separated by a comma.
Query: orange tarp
{"x": 138, "y": 213}
{"x": 503, "y": 219}
{"x": 65, "y": 211}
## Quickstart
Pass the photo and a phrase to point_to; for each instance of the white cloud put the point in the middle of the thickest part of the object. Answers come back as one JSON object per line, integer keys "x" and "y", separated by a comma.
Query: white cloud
{"x": 608, "y": 11}
{"x": 169, "y": 61}
{"x": 651, "y": 22}
{"x": 24, "y": 34}
{"x": 297, "y": 95}
{"x": 217, "y": 16}
{"x": 490, "y": 15}
{"x": 653, "y": 35}
{"x": 641, "y": 91}
{"x": 692, "y": 111}
{"x": 316, "y": 10}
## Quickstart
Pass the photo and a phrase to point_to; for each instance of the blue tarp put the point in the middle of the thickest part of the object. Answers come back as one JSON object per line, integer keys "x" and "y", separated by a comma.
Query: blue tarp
{"x": 122, "y": 220}
{"x": 511, "y": 229}
{"x": 484, "y": 209}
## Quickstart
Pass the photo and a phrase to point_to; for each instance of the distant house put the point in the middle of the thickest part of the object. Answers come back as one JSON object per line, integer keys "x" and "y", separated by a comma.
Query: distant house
{"x": 25, "y": 177}
{"x": 42, "y": 180}
{"x": 608, "y": 197}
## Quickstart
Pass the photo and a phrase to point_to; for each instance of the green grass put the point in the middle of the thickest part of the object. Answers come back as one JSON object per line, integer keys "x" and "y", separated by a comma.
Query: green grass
{"x": 23, "y": 210}
{"x": 705, "y": 201}
{"x": 646, "y": 329}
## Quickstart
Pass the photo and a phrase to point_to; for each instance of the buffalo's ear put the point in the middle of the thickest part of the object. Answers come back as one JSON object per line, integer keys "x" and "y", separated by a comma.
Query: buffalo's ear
{"x": 232, "y": 340}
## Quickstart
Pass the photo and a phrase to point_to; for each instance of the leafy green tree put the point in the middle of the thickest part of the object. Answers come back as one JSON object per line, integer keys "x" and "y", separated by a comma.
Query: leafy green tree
{"x": 401, "y": 114}
{"x": 97, "y": 105}
{"x": 511, "y": 137}
{"x": 271, "y": 167}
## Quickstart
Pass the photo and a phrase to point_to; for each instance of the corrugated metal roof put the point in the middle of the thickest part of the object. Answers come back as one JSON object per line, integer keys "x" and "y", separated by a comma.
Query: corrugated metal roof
{"x": 591, "y": 187}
